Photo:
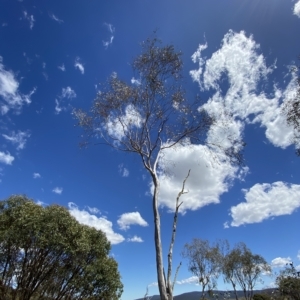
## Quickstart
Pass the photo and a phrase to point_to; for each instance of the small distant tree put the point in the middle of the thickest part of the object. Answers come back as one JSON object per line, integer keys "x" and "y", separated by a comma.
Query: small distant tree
{"x": 46, "y": 254}
{"x": 243, "y": 268}
{"x": 204, "y": 261}
{"x": 288, "y": 283}
{"x": 147, "y": 118}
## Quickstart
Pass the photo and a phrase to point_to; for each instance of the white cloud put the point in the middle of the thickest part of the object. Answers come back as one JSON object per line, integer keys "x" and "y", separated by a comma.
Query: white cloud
{"x": 190, "y": 280}
{"x": 62, "y": 68}
{"x": 29, "y": 18}
{"x": 118, "y": 127}
{"x": 153, "y": 284}
{"x": 135, "y": 81}
{"x": 19, "y": 138}
{"x": 298, "y": 255}
{"x": 68, "y": 93}
{"x": 111, "y": 30}
{"x": 135, "y": 239}
{"x": 110, "y": 27}
{"x": 55, "y": 18}
{"x": 60, "y": 103}
{"x": 211, "y": 176}
{"x": 280, "y": 262}
{"x": 264, "y": 201}
{"x": 128, "y": 219}
{"x": 93, "y": 210}
{"x": 238, "y": 60}
{"x": 297, "y": 9}
{"x": 10, "y": 97}
{"x": 36, "y": 175}
{"x": 79, "y": 65}
{"x": 123, "y": 171}
{"x": 6, "y": 158}
{"x": 84, "y": 217}
{"x": 57, "y": 190}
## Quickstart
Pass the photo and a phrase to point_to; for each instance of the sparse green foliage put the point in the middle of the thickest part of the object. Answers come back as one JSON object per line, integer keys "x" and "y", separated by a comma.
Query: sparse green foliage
{"x": 204, "y": 261}
{"x": 46, "y": 254}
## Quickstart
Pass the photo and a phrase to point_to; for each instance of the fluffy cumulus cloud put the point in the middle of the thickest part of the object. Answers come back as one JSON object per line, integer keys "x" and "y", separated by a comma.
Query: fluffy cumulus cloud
{"x": 128, "y": 219}
{"x": 211, "y": 175}
{"x": 36, "y": 175}
{"x": 10, "y": 96}
{"x": 57, "y": 190}
{"x": 78, "y": 65}
{"x": 239, "y": 62}
{"x": 62, "y": 101}
{"x": 18, "y": 138}
{"x": 264, "y": 201}
{"x": 6, "y": 158}
{"x": 280, "y": 262}
{"x": 135, "y": 239}
{"x": 297, "y": 9}
{"x": 118, "y": 127}
{"x": 100, "y": 223}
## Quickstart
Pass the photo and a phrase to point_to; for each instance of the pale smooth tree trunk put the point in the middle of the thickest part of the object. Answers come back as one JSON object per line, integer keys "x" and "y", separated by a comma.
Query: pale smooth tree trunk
{"x": 157, "y": 241}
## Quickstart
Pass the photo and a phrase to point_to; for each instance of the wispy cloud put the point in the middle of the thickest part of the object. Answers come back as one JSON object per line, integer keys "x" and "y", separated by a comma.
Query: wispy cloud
{"x": 111, "y": 30}
{"x": 57, "y": 190}
{"x": 132, "y": 218}
{"x": 78, "y": 65}
{"x": 135, "y": 239}
{"x": 297, "y": 9}
{"x": 36, "y": 175}
{"x": 10, "y": 97}
{"x": 19, "y": 138}
{"x": 62, "y": 68}
{"x": 60, "y": 103}
{"x": 29, "y": 18}
{"x": 93, "y": 210}
{"x": 55, "y": 18}
{"x": 6, "y": 158}
{"x": 123, "y": 171}
{"x": 264, "y": 201}
{"x": 84, "y": 217}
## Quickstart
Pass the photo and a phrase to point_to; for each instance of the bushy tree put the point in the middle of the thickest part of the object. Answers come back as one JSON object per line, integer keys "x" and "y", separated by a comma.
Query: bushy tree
{"x": 147, "y": 118}
{"x": 288, "y": 283}
{"x": 243, "y": 268}
{"x": 46, "y": 254}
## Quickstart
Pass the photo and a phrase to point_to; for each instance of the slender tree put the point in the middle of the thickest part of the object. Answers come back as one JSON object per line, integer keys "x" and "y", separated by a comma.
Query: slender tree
{"x": 204, "y": 261}
{"x": 147, "y": 118}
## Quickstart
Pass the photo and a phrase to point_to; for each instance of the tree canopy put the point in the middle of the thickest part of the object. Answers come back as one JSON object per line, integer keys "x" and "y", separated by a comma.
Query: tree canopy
{"x": 46, "y": 254}
{"x": 146, "y": 118}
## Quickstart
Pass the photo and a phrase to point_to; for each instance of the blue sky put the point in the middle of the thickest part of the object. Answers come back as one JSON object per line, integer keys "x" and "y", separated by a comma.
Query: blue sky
{"x": 54, "y": 54}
